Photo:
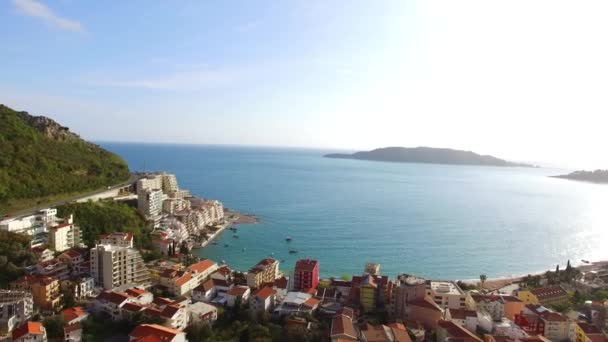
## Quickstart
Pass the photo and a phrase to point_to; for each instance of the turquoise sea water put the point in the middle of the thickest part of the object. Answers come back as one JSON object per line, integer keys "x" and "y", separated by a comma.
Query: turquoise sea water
{"x": 441, "y": 221}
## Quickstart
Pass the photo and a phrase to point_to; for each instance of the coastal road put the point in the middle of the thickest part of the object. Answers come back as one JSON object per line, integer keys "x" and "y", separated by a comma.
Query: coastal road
{"x": 132, "y": 179}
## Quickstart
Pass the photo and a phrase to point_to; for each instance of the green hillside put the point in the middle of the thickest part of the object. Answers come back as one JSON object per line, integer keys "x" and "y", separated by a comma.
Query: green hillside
{"x": 42, "y": 161}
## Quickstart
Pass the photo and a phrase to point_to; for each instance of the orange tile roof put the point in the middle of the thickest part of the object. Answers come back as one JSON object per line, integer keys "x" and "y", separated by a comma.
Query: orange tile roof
{"x": 550, "y": 292}
{"x": 133, "y": 307}
{"x": 183, "y": 279}
{"x": 306, "y": 265}
{"x": 343, "y": 325}
{"x": 146, "y": 330}
{"x": 427, "y": 303}
{"x": 311, "y": 302}
{"x": 33, "y": 328}
{"x": 456, "y": 331}
{"x": 72, "y": 327}
{"x": 264, "y": 292}
{"x": 169, "y": 311}
{"x": 71, "y": 314}
{"x": 201, "y": 266}
{"x": 135, "y": 292}
{"x": 238, "y": 290}
{"x": 114, "y": 297}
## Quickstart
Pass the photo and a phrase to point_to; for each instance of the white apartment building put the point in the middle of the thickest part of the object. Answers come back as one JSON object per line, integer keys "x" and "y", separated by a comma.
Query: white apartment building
{"x": 117, "y": 239}
{"x": 150, "y": 203}
{"x": 64, "y": 236}
{"x": 16, "y": 307}
{"x": 169, "y": 183}
{"x": 113, "y": 266}
{"x": 446, "y": 294}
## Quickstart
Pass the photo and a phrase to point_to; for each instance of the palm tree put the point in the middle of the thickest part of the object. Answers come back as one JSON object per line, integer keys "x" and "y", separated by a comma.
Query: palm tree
{"x": 482, "y": 278}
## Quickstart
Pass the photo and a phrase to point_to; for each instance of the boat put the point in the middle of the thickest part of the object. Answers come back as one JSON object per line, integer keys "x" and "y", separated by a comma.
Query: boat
{"x": 226, "y": 245}
{"x": 288, "y": 238}
{"x": 585, "y": 261}
{"x": 235, "y": 236}
{"x": 233, "y": 228}
{"x": 293, "y": 251}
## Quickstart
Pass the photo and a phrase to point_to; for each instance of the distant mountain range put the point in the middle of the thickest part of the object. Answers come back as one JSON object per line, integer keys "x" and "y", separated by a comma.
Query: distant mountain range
{"x": 597, "y": 176}
{"x": 428, "y": 155}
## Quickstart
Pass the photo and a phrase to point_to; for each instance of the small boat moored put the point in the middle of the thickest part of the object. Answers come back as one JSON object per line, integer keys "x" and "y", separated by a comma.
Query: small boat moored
{"x": 293, "y": 251}
{"x": 288, "y": 238}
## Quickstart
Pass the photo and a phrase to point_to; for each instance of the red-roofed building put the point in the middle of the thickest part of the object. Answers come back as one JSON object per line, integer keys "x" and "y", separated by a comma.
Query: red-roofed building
{"x": 450, "y": 331}
{"x": 156, "y": 333}
{"x": 306, "y": 274}
{"x": 74, "y": 315}
{"x": 384, "y": 333}
{"x": 466, "y": 318}
{"x": 544, "y": 295}
{"x": 72, "y": 332}
{"x": 342, "y": 329}
{"x": 176, "y": 316}
{"x": 426, "y": 311}
{"x": 111, "y": 303}
{"x": 117, "y": 239}
{"x": 586, "y": 332}
{"x": 235, "y": 293}
{"x": 141, "y": 296}
{"x": 262, "y": 299}
{"x": 30, "y": 332}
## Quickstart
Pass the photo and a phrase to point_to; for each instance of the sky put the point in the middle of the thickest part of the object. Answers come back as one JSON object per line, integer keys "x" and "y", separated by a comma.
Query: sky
{"x": 521, "y": 80}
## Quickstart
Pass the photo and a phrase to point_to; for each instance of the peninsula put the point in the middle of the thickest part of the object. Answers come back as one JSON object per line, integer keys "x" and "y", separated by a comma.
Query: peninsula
{"x": 427, "y": 155}
{"x": 597, "y": 176}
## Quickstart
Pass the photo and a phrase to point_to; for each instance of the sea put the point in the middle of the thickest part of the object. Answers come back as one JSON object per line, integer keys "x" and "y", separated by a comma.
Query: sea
{"x": 437, "y": 221}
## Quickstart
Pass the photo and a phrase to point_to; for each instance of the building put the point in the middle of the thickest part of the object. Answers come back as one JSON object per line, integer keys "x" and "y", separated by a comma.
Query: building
{"x": 119, "y": 239}
{"x": 450, "y": 331}
{"x": 113, "y": 266}
{"x": 72, "y": 333}
{"x": 498, "y": 306}
{"x": 536, "y": 319}
{"x": 111, "y": 303}
{"x": 237, "y": 294}
{"x": 74, "y": 315}
{"x": 425, "y": 311}
{"x": 262, "y": 300}
{"x": 368, "y": 293}
{"x": 180, "y": 282}
{"x": 64, "y": 236}
{"x": 30, "y": 332}
{"x": 394, "y": 332}
{"x": 155, "y": 332}
{"x": 544, "y": 295}
{"x": 372, "y": 268}
{"x": 306, "y": 274}
{"x": 447, "y": 294}
{"x": 465, "y": 318}
{"x": 53, "y": 268}
{"x": 586, "y": 332}
{"x": 407, "y": 288}
{"x": 297, "y": 303}
{"x": 16, "y": 307}
{"x": 175, "y": 316}
{"x": 342, "y": 329}
{"x": 46, "y": 291}
{"x": 202, "y": 313}
{"x": 267, "y": 270}
{"x": 150, "y": 203}
{"x": 80, "y": 288}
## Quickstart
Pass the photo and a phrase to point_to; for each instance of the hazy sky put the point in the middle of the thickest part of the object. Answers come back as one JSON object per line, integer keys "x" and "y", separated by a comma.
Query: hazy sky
{"x": 524, "y": 80}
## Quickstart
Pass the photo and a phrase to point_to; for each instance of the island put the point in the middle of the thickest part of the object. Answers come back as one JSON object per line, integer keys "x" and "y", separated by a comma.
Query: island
{"x": 597, "y": 176}
{"x": 427, "y": 155}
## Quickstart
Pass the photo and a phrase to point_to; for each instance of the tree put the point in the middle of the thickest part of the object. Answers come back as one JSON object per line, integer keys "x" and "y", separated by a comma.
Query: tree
{"x": 53, "y": 326}
{"x": 482, "y": 279}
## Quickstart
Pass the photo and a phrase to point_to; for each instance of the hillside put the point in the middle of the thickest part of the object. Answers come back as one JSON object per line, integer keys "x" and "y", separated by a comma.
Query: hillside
{"x": 597, "y": 176}
{"x": 40, "y": 160}
{"x": 426, "y": 155}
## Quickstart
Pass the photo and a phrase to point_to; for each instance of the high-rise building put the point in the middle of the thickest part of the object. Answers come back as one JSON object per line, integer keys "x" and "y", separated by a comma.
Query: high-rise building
{"x": 113, "y": 266}
{"x": 306, "y": 274}
{"x": 150, "y": 203}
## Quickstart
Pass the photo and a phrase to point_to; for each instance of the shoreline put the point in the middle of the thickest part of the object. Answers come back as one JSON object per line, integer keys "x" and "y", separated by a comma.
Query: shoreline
{"x": 233, "y": 218}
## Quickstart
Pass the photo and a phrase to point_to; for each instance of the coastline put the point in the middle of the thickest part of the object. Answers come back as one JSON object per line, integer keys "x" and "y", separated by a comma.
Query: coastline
{"x": 233, "y": 218}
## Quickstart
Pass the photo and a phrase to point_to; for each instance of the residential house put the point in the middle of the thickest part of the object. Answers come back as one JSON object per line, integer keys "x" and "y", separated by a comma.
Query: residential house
{"x": 466, "y": 318}
{"x": 74, "y": 315}
{"x": 544, "y": 295}
{"x": 297, "y": 303}
{"x": 72, "y": 333}
{"x": 53, "y": 268}
{"x": 175, "y": 316}
{"x": 267, "y": 270}
{"x": 395, "y": 332}
{"x": 64, "y": 236}
{"x": 342, "y": 329}
{"x": 79, "y": 288}
{"x": 556, "y": 327}
{"x": 498, "y": 306}
{"x": 586, "y": 332}
{"x": 111, "y": 302}
{"x": 30, "y": 332}
{"x": 425, "y": 311}
{"x": 202, "y": 312}
{"x": 156, "y": 333}
{"x": 236, "y": 294}
{"x": 262, "y": 299}
{"x": 450, "y": 331}
{"x": 140, "y": 296}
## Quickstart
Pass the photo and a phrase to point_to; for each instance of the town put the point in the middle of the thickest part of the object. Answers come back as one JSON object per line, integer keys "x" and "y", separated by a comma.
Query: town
{"x": 112, "y": 290}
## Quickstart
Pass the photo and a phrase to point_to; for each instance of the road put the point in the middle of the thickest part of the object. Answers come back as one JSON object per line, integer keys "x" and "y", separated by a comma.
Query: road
{"x": 32, "y": 210}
